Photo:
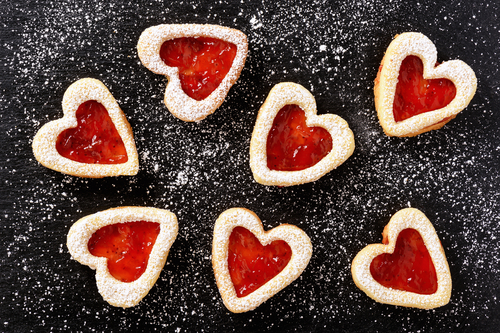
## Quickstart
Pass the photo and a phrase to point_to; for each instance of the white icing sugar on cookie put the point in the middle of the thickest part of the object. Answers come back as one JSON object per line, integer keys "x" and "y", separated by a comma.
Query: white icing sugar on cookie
{"x": 116, "y": 292}
{"x": 296, "y": 238}
{"x": 288, "y": 93}
{"x": 413, "y": 43}
{"x": 177, "y": 101}
{"x": 360, "y": 268}
{"x": 44, "y": 143}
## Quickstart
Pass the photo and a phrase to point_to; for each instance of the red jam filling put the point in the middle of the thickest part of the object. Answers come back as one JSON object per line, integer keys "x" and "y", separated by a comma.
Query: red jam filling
{"x": 409, "y": 268}
{"x": 127, "y": 247}
{"x": 291, "y": 145}
{"x": 416, "y": 95}
{"x": 203, "y": 63}
{"x": 95, "y": 140}
{"x": 251, "y": 265}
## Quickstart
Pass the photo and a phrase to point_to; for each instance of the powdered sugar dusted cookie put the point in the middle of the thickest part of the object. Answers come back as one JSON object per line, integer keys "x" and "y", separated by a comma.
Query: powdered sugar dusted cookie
{"x": 291, "y": 144}
{"x": 413, "y": 93}
{"x": 127, "y": 246}
{"x": 250, "y": 264}
{"x": 409, "y": 269}
{"x": 93, "y": 139}
{"x": 201, "y": 63}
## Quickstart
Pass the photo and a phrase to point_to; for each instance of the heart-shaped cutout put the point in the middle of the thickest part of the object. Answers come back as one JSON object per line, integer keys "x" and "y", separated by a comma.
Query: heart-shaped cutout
{"x": 237, "y": 258}
{"x": 280, "y": 153}
{"x": 416, "y": 95}
{"x": 251, "y": 264}
{"x": 93, "y": 139}
{"x": 201, "y": 63}
{"x": 127, "y": 247}
{"x": 292, "y": 145}
{"x": 120, "y": 283}
{"x": 409, "y": 268}
{"x": 412, "y": 94}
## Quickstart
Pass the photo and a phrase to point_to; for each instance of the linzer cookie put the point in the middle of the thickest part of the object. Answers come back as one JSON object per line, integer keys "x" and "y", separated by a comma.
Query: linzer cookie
{"x": 201, "y": 63}
{"x": 291, "y": 144}
{"x": 410, "y": 267}
{"x": 414, "y": 93}
{"x": 127, "y": 246}
{"x": 93, "y": 139}
{"x": 250, "y": 264}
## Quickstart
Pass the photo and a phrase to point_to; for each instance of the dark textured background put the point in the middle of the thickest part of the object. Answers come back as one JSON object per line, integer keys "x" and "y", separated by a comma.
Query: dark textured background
{"x": 198, "y": 170}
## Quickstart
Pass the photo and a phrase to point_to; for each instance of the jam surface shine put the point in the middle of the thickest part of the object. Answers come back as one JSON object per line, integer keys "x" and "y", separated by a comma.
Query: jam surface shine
{"x": 95, "y": 140}
{"x": 251, "y": 264}
{"x": 409, "y": 268}
{"x": 127, "y": 247}
{"x": 416, "y": 95}
{"x": 292, "y": 145}
{"x": 203, "y": 63}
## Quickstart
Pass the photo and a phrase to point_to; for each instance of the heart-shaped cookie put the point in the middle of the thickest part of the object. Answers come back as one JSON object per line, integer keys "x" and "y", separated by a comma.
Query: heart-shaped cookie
{"x": 93, "y": 139}
{"x": 430, "y": 101}
{"x": 201, "y": 63}
{"x": 124, "y": 284}
{"x": 306, "y": 154}
{"x": 410, "y": 267}
{"x": 268, "y": 265}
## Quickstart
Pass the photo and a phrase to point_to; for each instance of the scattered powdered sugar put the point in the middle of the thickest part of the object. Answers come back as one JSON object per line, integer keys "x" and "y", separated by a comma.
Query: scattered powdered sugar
{"x": 199, "y": 170}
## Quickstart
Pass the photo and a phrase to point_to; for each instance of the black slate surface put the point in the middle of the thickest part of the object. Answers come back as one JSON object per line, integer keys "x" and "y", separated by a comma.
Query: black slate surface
{"x": 198, "y": 170}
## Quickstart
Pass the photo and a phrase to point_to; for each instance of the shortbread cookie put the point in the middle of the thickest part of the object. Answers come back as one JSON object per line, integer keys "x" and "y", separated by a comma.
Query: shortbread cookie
{"x": 127, "y": 246}
{"x": 250, "y": 264}
{"x": 93, "y": 139}
{"x": 201, "y": 63}
{"x": 414, "y": 93}
{"x": 291, "y": 144}
{"x": 409, "y": 269}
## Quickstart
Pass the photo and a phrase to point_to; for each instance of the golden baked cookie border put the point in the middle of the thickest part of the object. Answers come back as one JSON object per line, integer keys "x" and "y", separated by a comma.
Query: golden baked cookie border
{"x": 404, "y": 219}
{"x": 287, "y": 93}
{"x": 176, "y": 100}
{"x": 115, "y": 292}
{"x": 44, "y": 142}
{"x": 414, "y": 43}
{"x": 297, "y": 239}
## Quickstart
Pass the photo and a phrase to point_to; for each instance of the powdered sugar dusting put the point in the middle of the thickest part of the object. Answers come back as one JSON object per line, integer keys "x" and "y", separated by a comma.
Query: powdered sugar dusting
{"x": 297, "y": 240}
{"x": 199, "y": 170}
{"x": 177, "y": 101}
{"x": 44, "y": 143}
{"x": 117, "y": 293}
{"x": 411, "y": 43}
{"x": 404, "y": 219}
{"x": 287, "y": 94}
